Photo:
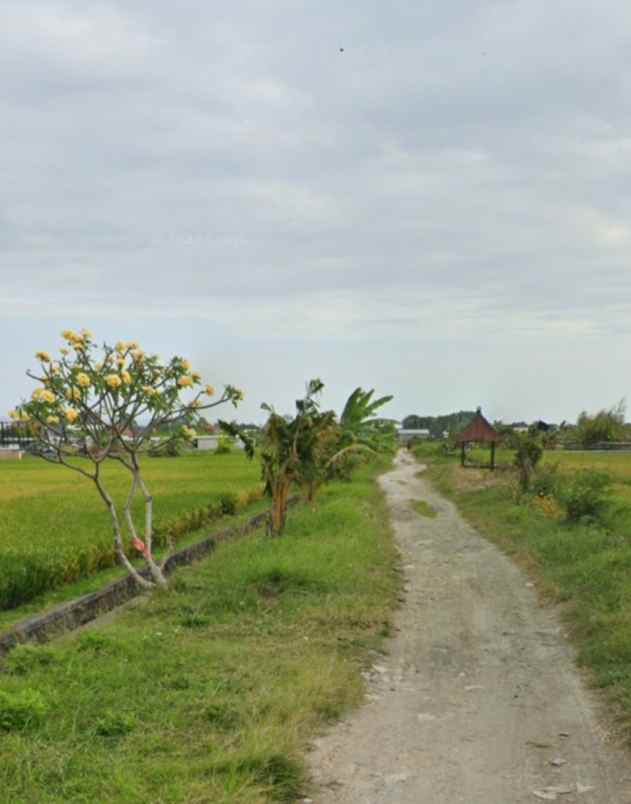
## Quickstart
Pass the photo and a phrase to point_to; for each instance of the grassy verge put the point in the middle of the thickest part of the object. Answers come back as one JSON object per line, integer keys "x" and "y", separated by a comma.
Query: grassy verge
{"x": 56, "y": 530}
{"x": 210, "y": 692}
{"x": 585, "y": 565}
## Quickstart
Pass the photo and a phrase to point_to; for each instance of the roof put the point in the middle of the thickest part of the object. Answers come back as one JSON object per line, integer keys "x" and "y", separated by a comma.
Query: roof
{"x": 478, "y": 430}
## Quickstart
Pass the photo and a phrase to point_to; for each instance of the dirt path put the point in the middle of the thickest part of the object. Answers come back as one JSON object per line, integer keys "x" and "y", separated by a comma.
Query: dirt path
{"x": 478, "y": 700}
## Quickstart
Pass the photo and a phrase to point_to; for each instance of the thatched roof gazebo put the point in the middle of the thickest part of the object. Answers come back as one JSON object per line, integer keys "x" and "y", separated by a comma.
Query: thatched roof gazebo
{"x": 478, "y": 431}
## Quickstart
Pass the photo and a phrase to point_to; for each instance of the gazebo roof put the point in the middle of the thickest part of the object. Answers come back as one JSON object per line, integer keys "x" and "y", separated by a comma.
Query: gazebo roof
{"x": 478, "y": 430}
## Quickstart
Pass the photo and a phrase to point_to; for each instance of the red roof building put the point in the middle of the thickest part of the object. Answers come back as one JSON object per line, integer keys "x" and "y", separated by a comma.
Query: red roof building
{"x": 478, "y": 430}
{"x": 481, "y": 432}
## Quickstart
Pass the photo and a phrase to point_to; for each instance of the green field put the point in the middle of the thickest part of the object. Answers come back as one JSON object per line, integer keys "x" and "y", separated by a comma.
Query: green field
{"x": 584, "y": 564}
{"x": 616, "y": 464}
{"x": 212, "y": 691}
{"x": 54, "y": 528}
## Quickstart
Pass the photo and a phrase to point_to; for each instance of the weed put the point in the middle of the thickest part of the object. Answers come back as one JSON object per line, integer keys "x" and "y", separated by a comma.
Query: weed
{"x": 222, "y": 717}
{"x": 424, "y": 509}
{"x": 21, "y": 709}
{"x": 114, "y": 724}
{"x": 585, "y": 495}
{"x": 24, "y": 658}
{"x": 195, "y": 620}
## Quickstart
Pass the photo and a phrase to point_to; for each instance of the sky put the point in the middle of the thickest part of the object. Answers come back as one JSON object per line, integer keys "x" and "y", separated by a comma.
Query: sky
{"x": 431, "y": 199}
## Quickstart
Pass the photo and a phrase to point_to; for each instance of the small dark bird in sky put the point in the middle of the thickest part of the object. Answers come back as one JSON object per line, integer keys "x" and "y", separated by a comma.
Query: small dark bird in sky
{"x": 341, "y": 50}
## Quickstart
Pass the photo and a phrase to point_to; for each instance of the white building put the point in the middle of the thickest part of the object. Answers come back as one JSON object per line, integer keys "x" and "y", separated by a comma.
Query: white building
{"x": 405, "y": 436}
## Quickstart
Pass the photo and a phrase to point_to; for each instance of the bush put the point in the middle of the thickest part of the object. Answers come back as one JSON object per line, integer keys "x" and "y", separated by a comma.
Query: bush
{"x": 547, "y": 481}
{"x": 528, "y": 452}
{"x": 18, "y": 710}
{"x": 224, "y": 445}
{"x": 173, "y": 449}
{"x": 585, "y": 496}
{"x": 228, "y": 501}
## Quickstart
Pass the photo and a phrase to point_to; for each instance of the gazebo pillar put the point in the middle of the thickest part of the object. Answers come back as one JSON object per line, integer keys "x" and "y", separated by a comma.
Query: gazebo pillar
{"x": 462, "y": 454}
{"x": 492, "y": 455}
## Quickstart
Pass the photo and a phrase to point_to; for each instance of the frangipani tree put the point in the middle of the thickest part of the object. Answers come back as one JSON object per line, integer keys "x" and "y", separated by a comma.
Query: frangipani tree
{"x": 83, "y": 413}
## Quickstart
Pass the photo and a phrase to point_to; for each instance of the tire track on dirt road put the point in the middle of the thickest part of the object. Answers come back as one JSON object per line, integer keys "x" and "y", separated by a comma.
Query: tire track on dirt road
{"x": 478, "y": 699}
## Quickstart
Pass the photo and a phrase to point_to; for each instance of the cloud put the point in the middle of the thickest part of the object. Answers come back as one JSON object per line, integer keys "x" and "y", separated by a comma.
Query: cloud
{"x": 455, "y": 182}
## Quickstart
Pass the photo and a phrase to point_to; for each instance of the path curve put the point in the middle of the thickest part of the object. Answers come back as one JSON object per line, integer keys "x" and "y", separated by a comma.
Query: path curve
{"x": 478, "y": 699}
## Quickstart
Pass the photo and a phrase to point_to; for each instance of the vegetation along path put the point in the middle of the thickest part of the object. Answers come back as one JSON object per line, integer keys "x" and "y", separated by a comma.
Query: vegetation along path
{"x": 478, "y": 700}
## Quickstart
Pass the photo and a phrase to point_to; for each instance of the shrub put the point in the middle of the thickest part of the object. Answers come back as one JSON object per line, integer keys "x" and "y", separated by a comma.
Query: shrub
{"x": 546, "y": 481}
{"x": 606, "y": 425}
{"x": 585, "y": 495}
{"x": 18, "y": 710}
{"x": 228, "y": 503}
{"x": 224, "y": 445}
{"x": 528, "y": 452}
{"x": 173, "y": 448}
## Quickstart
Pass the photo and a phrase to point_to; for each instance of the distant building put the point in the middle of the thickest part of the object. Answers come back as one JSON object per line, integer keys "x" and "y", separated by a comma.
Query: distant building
{"x": 519, "y": 427}
{"x": 404, "y": 436}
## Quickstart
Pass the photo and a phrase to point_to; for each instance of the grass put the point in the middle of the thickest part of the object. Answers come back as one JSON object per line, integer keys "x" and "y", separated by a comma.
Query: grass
{"x": 424, "y": 509}
{"x": 55, "y": 528}
{"x": 209, "y": 692}
{"x": 585, "y": 565}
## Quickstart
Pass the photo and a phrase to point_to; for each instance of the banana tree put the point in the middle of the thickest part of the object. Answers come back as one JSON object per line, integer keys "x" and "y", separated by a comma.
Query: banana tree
{"x": 323, "y": 449}
{"x": 288, "y": 450}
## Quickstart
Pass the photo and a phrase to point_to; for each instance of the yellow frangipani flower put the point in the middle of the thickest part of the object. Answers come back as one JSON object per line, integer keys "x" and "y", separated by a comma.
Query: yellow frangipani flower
{"x": 185, "y": 382}
{"x": 126, "y": 377}
{"x": 113, "y": 380}
{"x": 149, "y": 390}
{"x": 71, "y": 415}
{"x": 83, "y": 380}
{"x": 196, "y": 377}
{"x": 43, "y": 357}
{"x": 86, "y": 334}
{"x": 52, "y": 420}
{"x": 69, "y": 335}
{"x": 209, "y": 390}
{"x": 138, "y": 355}
{"x": 185, "y": 365}
{"x": 120, "y": 347}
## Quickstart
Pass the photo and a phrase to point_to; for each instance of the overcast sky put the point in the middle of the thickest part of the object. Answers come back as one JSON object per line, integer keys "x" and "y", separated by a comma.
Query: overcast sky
{"x": 441, "y": 211}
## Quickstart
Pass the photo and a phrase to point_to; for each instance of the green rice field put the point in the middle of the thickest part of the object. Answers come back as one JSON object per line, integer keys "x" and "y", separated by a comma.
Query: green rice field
{"x": 55, "y": 529}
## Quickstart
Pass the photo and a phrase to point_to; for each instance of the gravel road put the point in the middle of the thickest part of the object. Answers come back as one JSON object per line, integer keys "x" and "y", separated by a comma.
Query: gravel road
{"x": 478, "y": 699}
